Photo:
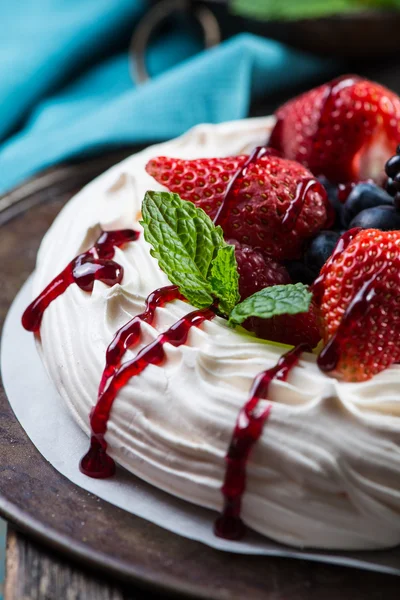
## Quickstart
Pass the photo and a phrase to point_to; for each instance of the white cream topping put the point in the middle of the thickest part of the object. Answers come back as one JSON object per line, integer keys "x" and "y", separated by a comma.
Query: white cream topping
{"x": 326, "y": 471}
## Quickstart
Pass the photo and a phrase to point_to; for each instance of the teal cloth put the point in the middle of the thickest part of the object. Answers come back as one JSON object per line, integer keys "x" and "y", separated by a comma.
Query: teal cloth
{"x": 65, "y": 88}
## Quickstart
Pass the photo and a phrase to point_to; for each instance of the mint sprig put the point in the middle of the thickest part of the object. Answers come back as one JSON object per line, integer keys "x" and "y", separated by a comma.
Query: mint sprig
{"x": 272, "y": 301}
{"x": 224, "y": 278}
{"x": 191, "y": 250}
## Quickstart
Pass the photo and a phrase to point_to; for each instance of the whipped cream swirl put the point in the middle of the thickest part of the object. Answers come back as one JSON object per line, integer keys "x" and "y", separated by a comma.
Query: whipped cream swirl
{"x": 326, "y": 471}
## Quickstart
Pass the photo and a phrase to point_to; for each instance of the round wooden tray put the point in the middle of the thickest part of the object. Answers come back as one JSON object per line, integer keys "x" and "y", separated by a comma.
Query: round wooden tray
{"x": 41, "y": 502}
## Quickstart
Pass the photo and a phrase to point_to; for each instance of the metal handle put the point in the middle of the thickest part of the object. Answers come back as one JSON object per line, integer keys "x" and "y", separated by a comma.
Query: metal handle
{"x": 152, "y": 21}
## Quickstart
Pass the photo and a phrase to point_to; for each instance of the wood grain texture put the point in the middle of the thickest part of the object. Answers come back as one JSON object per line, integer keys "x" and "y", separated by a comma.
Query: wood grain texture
{"x": 35, "y": 574}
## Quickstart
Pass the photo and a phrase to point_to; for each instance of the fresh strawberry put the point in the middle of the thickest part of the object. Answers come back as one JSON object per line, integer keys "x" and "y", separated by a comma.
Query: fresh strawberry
{"x": 202, "y": 181}
{"x": 257, "y": 271}
{"x": 288, "y": 329}
{"x": 274, "y": 206}
{"x": 358, "y": 297}
{"x": 345, "y": 129}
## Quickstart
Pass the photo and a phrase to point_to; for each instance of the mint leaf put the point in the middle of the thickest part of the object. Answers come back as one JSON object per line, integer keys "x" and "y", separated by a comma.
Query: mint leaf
{"x": 224, "y": 278}
{"x": 182, "y": 237}
{"x": 273, "y": 301}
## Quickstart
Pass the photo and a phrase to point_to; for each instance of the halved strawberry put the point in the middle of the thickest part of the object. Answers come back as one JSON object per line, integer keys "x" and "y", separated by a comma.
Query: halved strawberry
{"x": 345, "y": 129}
{"x": 358, "y": 297}
{"x": 274, "y": 205}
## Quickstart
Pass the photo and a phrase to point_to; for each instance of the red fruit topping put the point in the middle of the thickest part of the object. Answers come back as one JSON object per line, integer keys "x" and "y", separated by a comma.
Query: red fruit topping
{"x": 257, "y": 271}
{"x": 288, "y": 329}
{"x": 358, "y": 293}
{"x": 345, "y": 129}
{"x": 274, "y": 205}
{"x": 202, "y": 181}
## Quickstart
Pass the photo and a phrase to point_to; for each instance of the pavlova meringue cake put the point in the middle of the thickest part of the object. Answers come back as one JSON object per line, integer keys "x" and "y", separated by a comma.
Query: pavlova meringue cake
{"x": 306, "y": 452}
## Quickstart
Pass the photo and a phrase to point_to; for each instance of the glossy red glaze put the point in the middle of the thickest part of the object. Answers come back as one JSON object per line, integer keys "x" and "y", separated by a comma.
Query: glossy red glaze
{"x": 235, "y": 184}
{"x": 295, "y": 207}
{"x": 129, "y": 334}
{"x": 84, "y": 270}
{"x": 317, "y": 287}
{"x": 96, "y": 463}
{"x": 357, "y": 308}
{"x": 248, "y": 429}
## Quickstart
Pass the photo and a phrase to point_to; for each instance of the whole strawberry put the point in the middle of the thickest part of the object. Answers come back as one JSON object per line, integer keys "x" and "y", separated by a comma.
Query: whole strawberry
{"x": 345, "y": 129}
{"x": 358, "y": 297}
{"x": 274, "y": 204}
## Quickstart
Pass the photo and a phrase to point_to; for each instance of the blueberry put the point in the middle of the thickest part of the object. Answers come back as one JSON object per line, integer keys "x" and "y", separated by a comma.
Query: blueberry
{"x": 320, "y": 250}
{"x": 332, "y": 193}
{"x": 364, "y": 196}
{"x": 392, "y": 166}
{"x": 392, "y": 187}
{"x": 386, "y": 218}
{"x": 300, "y": 273}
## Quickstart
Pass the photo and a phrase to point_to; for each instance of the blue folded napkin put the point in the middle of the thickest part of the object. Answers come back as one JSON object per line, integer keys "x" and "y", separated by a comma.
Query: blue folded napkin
{"x": 65, "y": 87}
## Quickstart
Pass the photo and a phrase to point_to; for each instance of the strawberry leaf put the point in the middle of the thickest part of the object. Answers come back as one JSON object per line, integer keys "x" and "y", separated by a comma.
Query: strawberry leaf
{"x": 276, "y": 300}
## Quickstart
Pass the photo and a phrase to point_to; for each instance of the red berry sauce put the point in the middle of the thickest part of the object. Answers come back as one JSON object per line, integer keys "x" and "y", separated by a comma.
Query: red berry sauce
{"x": 128, "y": 335}
{"x": 333, "y": 87}
{"x": 358, "y": 308}
{"x": 96, "y": 463}
{"x": 275, "y": 140}
{"x": 317, "y": 287}
{"x": 295, "y": 207}
{"x": 248, "y": 429}
{"x": 84, "y": 270}
{"x": 235, "y": 184}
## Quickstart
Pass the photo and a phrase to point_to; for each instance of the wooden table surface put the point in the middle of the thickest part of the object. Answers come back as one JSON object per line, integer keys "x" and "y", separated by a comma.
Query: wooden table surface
{"x": 35, "y": 573}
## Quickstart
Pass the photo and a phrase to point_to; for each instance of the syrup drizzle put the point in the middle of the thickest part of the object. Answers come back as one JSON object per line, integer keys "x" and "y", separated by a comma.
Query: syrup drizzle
{"x": 248, "y": 429}
{"x": 296, "y": 205}
{"x": 234, "y": 185}
{"x": 93, "y": 265}
{"x": 357, "y": 308}
{"x": 128, "y": 335}
{"x": 96, "y": 463}
{"x": 335, "y": 86}
{"x": 318, "y": 286}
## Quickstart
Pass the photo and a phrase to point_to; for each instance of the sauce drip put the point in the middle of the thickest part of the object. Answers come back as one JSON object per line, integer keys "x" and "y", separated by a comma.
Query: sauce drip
{"x": 318, "y": 286}
{"x": 96, "y": 463}
{"x": 295, "y": 207}
{"x": 94, "y": 264}
{"x": 128, "y": 335}
{"x": 357, "y": 308}
{"x": 248, "y": 429}
{"x": 335, "y": 86}
{"x": 234, "y": 185}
